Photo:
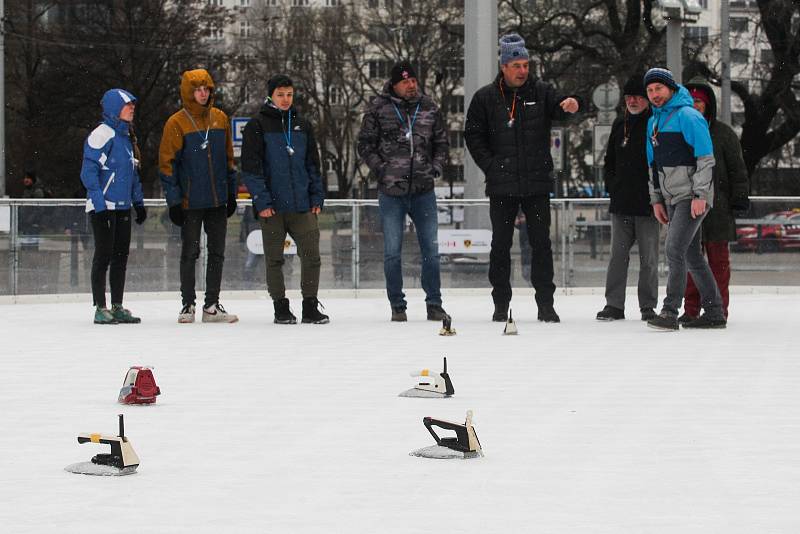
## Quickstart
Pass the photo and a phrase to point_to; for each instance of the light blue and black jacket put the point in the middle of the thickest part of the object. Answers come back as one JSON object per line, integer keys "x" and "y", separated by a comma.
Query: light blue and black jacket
{"x": 679, "y": 152}
{"x": 109, "y": 171}
{"x": 287, "y": 181}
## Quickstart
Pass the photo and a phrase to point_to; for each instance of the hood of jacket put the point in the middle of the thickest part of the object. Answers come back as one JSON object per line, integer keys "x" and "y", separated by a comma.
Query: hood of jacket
{"x": 112, "y": 102}
{"x": 270, "y": 110}
{"x": 191, "y": 80}
{"x": 698, "y": 82}
{"x": 680, "y": 98}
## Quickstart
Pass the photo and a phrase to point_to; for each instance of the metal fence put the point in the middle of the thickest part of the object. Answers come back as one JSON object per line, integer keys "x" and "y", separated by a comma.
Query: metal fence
{"x": 46, "y": 247}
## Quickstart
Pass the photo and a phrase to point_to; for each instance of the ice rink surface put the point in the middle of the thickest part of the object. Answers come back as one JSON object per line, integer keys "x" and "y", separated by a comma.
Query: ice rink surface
{"x": 587, "y": 427}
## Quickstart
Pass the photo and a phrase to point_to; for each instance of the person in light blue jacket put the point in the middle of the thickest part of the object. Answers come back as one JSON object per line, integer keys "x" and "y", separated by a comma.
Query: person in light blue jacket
{"x": 110, "y": 175}
{"x": 681, "y": 158}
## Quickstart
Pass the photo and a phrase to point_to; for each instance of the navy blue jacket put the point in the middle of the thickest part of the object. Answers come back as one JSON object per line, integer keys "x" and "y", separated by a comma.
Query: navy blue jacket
{"x": 287, "y": 183}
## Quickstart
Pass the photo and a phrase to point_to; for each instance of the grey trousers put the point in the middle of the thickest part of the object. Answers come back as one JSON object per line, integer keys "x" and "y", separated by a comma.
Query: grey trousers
{"x": 625, "y": 231}
{"x": 684, "y": 252}
{"x": 304, "y": 230}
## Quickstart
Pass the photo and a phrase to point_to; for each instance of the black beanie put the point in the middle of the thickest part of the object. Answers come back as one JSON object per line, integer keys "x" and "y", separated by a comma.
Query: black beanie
{"x": 279, "y": 80}
{"x": 634, "y": 86}
{"x": 402, "y": 70}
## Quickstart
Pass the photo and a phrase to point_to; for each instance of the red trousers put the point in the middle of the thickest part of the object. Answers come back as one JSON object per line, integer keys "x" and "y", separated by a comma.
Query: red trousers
{"x": 719, "y": 259}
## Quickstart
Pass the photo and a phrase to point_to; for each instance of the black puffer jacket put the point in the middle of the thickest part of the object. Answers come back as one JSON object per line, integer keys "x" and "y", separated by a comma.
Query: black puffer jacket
{"x": 625, "y": 168}
{"x": 387, "y": 151}
{"x": 516, "y": 160}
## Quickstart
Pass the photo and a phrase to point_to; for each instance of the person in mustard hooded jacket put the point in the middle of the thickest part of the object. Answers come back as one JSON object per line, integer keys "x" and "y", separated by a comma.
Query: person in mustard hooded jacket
{"x": 199, "y": 179}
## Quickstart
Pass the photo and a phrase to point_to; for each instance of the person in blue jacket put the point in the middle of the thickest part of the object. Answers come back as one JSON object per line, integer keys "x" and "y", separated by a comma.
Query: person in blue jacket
{"x": 280, "y": 167}
{"x": 111, "y": 177}
{"x": 681, "y": 157}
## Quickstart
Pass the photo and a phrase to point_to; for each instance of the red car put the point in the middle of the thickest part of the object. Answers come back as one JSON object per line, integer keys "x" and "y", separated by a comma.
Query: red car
{"x": 780, "y": 231}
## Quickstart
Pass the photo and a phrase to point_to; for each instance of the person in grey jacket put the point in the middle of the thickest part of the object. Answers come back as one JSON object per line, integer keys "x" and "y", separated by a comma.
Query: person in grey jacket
{"x": 681, "y": 157}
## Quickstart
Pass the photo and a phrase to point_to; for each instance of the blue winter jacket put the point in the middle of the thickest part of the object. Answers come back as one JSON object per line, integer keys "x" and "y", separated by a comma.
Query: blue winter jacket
{"x": 681, "y": 157}
{"x": 109, "y": 171}
{"x": 287, "y": 183}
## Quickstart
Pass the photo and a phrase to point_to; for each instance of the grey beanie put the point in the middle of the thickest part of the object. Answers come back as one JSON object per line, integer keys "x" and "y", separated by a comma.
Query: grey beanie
{"x": 512, "y": 48}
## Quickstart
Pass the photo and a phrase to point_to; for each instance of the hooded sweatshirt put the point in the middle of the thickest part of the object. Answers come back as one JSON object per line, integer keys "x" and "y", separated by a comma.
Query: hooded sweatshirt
{"x": 195, "y": 160}
{"x": 731, "y": 184}
{"x": 109, "y": 171}
{"x": 679, "y": 152}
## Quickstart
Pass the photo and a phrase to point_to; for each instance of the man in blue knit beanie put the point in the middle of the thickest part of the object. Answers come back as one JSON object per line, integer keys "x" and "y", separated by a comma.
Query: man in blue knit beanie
{"x": 681, "y": 158}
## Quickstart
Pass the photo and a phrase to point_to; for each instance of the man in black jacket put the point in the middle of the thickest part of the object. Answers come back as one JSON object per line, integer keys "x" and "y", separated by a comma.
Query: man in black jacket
{"x": 508, "y": 135}
{"x": 632, "y": 221}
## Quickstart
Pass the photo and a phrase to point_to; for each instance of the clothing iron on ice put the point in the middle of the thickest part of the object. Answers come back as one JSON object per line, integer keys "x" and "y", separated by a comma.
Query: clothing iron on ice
{"x": 447, "y": 327}
{"x": 121, "y": 461}
{"x": 139, "y": 387}
{"x": 464, "y": 445}
{"x": 431, "y": 385}
{"x": 511, "y": 327}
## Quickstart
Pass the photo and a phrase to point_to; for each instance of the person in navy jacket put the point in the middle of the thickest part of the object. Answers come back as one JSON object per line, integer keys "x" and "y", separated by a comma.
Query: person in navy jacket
{"x": 280, "y": 166}
{"x": 111, "y": 177}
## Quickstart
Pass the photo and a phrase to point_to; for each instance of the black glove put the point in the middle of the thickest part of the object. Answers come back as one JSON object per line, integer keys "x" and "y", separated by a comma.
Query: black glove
{"x": 141, "y": 214}
{"x": 740, "y": 204}
{"x": 176, "y": 215}
{"x": 231, "y": 207}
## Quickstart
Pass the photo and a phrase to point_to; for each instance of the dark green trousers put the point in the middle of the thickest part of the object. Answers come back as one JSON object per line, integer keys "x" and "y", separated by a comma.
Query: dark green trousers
{"x": 303, "y": 228}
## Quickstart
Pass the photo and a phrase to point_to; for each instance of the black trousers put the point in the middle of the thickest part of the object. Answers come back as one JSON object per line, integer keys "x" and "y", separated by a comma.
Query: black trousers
{"x": 503, "y": 211}
{"x": 214, "y": 222}
{"x": 112, "y": 241}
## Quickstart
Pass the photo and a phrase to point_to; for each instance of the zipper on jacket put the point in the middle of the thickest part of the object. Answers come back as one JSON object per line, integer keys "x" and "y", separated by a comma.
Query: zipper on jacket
{"x": 108, "y": 183}
{"x": 411, "y": 152}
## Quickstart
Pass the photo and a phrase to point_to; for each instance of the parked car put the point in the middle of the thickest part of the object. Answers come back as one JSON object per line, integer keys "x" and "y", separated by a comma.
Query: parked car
{"x": 780, "y": 231}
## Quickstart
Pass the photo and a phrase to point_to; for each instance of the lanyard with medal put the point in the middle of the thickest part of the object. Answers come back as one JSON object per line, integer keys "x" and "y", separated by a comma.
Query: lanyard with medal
{"x": 204, "y": 144}
{"x": 287, "y": 134}
{"x": 656, "y": 128}
{"x": 510, "y": 122}
{"x": 409, "y": 123}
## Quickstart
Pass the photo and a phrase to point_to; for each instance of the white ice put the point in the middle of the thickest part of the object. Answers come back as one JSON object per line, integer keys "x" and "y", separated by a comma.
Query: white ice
{"x": 586, "y": 427}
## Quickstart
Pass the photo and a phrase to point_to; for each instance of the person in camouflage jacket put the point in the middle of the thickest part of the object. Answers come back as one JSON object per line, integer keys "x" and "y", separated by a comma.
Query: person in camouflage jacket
{"x": 403, "y": 141}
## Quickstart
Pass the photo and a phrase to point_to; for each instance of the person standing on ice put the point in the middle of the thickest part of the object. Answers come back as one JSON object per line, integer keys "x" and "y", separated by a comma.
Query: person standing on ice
{"x": 199, "y": 180}
{"x": 280, "y": 166}
{"x": 627, "y": 178}
{"x": 681, "y": 158}
{"x": 731, "y": 190}
{"x": 110, "y": 174}
{"x": 507, "y": 133}
{"x": 403, "y": 141}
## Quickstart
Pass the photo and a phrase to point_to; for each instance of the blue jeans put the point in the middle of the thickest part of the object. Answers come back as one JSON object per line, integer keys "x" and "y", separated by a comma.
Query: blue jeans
{"x": 421, "y": 208}
{"x": 684, "y": 252}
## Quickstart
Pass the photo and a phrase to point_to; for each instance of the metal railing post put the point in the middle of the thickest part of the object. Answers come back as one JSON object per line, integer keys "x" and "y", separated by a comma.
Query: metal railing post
{"x": 355, "y": 247}
{"x": 14, "y": 257}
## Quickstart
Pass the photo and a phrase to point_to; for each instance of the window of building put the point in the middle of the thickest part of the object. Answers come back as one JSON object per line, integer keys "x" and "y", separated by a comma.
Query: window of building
{"x": 739, "y": 24}
{"x": 767, "y": 56}
{"x": 456, "y": 139}
{"x": 333, "y": 3}
{"x": 244, "y": 28}
{"x": 697, "y": 34}
{"x": 215, "y": 32}
{"x": 336, "y": 95}
{"x": 740, "y": 56}
{"x": 300, "y": 3}
{"x": 379, "y": 68}
{"x": 454, "y": 104}
{"x": 219, "y": 3}
{"x": 372, "y": 3}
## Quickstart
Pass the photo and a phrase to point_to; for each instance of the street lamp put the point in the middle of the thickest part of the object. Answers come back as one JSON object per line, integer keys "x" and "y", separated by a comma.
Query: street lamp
{"x": 676, "y": 12}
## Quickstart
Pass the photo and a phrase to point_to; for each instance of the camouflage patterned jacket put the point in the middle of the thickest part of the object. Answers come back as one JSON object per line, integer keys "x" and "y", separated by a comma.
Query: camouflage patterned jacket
{"x": 400, "y": 166}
